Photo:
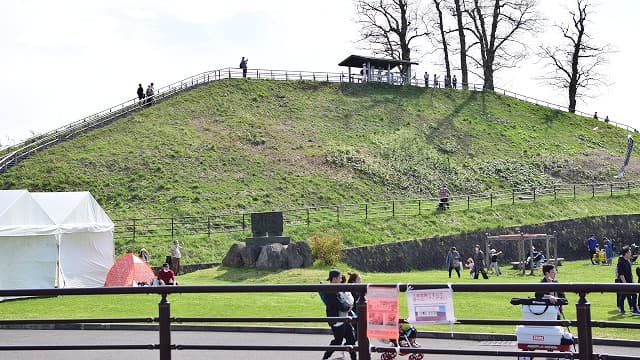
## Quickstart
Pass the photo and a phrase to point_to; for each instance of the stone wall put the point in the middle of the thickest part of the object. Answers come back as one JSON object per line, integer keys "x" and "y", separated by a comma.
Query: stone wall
{"x": 425, "y": 254}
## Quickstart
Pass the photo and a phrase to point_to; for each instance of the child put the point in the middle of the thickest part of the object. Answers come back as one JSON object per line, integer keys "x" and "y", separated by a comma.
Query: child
{"x": 469, "y": 264}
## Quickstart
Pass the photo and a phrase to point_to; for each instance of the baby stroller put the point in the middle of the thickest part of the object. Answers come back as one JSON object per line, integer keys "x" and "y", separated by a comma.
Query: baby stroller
{"x": 407, "y": 339}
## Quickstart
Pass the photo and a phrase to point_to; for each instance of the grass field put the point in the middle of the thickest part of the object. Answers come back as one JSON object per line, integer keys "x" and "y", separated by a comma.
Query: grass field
{"x": 466, "y": 305}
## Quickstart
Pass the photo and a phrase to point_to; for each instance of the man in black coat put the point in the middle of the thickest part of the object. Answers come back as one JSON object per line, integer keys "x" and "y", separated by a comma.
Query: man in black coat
{"x": 626, "y": 276}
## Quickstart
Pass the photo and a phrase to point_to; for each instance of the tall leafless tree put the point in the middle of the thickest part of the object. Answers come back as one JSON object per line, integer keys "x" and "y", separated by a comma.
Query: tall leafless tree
{"x": 496, "y": 27}
{"x": 575, "y": 63}
{"x": 439, "y": 21}
{"x": 463, "y": 44}
{"x": 387, "y": 27}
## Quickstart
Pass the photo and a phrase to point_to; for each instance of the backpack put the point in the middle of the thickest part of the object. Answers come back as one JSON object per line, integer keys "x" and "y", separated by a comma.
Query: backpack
{"x": 240, "y": 67}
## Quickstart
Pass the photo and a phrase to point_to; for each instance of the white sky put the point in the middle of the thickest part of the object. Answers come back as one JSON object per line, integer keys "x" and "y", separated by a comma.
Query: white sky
{"x": 63, "y": 60}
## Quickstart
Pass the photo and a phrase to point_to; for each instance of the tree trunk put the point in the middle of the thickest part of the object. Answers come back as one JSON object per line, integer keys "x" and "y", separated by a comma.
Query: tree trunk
{"x": 463, "y": 47}
{"x": 445, "y": 47}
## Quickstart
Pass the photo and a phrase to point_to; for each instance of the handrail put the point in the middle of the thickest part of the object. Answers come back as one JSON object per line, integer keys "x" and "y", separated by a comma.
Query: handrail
{"x": 17, "y": 152}
{"x": 165, "y": 347}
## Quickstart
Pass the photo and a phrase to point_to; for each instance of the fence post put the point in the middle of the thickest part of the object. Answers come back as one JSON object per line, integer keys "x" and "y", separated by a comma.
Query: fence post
{"x": 363, "y": 340}
{"x": 628, "y": 189}
{"x": 555, "y": 196}
{"x": 244, "y": 222}
{"x": 468, "y": 203}
{"x": 593, "y": 190}
{"x": 366, "y": 211}
{"x": 338, "y": 213}
{"x": 134, "y": 231}
{"x": 172, "y": 227}
{"x": 164, "y": 325}
{"x": 574, "y": 192}
{"x": 393, "y": 208}
{"x": 513, "y": 196}
{"x": 534, "y": 194}
{"x": 611, "y": 189}
{"x": 490, "y": 199}
{"x": 208, "y": 227}
{"x": 308, "y": 218}
{"x": 419, "y": 207}
{"x": 583, "y": 316}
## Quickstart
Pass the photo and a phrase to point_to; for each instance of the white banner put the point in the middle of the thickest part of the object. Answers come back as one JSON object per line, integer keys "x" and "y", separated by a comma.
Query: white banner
{"x": 431, "y": 306}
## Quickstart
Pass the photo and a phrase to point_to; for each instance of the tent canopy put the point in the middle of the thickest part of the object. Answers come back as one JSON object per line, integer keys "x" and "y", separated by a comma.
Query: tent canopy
{"x": 62, "y": 239}
{"x": 129, "y": 270}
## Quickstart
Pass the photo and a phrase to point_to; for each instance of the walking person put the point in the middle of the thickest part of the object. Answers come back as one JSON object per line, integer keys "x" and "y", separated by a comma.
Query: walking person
{"x": 140, "y": 93}
{"x": 337, "y": 305}
{"x": 455, "y": 82}
{"x": 426, "y": 79}
{"x": 243, "y": 66}
{"x": 176, "y": 254}
{"x": 150, "y": 93}
{"x": 592, "y": 244}
{"x": 453, "y": 261}
{"x": 624, "y": 275}
{"x": 479, "y": 263}
{"x": 444, "y": 198}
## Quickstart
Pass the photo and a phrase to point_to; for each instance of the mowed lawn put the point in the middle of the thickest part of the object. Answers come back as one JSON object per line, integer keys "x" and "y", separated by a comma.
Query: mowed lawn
{"x": 467, "y": 305}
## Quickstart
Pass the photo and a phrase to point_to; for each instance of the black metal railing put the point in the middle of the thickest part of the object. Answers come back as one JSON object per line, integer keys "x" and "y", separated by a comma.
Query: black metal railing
{"x": 583, "y": 321}
{"x": 185, "y": 227}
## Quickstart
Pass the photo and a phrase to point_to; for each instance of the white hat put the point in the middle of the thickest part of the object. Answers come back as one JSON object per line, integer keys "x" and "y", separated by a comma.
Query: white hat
{"x": 493, "y": 250}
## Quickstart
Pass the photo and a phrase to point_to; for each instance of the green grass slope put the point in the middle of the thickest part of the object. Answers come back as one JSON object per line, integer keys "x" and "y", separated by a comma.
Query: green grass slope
{"x": 256, "y": 145}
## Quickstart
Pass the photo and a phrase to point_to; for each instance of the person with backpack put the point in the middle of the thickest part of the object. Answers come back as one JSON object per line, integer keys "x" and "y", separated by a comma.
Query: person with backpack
{"x": 243, "y": 66}
{"x": 453, "y": 261}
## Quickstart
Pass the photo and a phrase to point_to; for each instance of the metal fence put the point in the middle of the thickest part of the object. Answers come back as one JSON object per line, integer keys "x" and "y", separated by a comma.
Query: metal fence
{"x": 14, "y": 154}
{"x": 165, "y": 347}
{"x": 205, "y": 226}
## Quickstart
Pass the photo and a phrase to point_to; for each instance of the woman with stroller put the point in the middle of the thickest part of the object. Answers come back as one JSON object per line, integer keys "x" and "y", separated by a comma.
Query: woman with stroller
{"x": 453, "y": 261}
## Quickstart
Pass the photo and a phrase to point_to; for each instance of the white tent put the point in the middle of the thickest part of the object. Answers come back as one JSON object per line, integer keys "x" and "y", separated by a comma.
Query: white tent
{"x": 61, "y": 239}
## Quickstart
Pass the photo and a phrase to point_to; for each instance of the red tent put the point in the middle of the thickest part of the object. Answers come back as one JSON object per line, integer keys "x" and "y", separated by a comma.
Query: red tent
{"x": 127, "y": 269}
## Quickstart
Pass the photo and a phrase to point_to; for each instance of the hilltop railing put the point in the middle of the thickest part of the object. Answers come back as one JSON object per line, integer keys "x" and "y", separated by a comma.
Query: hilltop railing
{"x": 12, "y": 155}
{"x": 183, "y": 227}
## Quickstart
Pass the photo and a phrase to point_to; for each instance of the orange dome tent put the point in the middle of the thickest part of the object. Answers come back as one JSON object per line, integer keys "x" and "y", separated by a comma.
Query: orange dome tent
{"x": 127, "y": 269}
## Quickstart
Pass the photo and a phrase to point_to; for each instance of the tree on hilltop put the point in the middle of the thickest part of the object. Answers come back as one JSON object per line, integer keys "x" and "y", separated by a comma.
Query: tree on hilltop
{"x": 575, "y": 63}
{"x": 390, "y": 26}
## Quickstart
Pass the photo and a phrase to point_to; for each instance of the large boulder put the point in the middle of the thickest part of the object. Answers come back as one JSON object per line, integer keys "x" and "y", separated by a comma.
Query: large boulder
{"x": 272, "y": 257}
{"x": 298, "y": 255}
{"x": 250, "y": 255}
{"x": 234, "y": 257}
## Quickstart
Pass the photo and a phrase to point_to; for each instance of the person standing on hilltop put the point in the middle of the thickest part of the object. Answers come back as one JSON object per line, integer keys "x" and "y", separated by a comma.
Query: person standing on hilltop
{"x": 243, "y": 66}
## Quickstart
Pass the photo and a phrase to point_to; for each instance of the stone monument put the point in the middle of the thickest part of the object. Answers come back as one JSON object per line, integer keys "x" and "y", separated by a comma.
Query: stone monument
{"x": 266, "y": 228}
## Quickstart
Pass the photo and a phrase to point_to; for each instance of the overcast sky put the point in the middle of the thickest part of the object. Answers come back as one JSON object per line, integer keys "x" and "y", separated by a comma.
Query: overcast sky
{"x": 67, "y": 59}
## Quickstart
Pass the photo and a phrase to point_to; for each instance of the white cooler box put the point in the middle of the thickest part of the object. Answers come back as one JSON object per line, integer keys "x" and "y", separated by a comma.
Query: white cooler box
{"x": 540, "y": 337}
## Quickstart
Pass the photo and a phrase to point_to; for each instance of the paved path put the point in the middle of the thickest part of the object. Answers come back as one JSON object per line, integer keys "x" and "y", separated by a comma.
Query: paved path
{"x": 95, "y": 337}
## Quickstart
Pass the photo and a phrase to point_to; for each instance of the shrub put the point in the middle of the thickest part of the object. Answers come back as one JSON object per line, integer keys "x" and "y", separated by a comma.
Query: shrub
{"x": 327, "y": 248}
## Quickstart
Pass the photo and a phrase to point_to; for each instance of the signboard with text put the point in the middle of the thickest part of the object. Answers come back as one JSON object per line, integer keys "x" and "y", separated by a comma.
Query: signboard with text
{"x": 430, "y": 306}
{"x": 382, "y": 312}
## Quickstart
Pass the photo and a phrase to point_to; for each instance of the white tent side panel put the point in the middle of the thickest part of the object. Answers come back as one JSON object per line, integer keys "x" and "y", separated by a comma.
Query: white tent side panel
{"x": 28, "y": 262}
{"x": 85, "y": 259}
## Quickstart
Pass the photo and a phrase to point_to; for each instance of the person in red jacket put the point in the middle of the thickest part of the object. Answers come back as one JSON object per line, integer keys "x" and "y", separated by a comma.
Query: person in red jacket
{"x": 166, "y": 275}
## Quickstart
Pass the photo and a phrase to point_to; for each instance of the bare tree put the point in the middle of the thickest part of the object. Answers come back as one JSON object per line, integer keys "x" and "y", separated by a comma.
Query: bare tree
{"x": 496, "y": 26}
{"x": 463, "y": 44}
{"x": 576, "y": 62}
{"x": 443, "y": 37}
{"x": 387, "y": 27}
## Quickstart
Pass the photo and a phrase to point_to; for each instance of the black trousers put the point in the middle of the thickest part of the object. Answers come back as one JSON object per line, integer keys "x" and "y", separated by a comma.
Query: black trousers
{"x": 340, "y": 333}
{"x": 477, "y": 270}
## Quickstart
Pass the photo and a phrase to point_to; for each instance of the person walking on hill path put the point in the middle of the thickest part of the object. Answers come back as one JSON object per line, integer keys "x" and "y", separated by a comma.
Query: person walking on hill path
{"x": 150, "y": 93}
{"x": 243, "y": 66}
{"x": 426, "y": 79}
{"x": 140, "y": 93}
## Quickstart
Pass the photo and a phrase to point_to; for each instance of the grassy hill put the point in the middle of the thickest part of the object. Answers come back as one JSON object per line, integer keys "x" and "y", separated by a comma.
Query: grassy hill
{"x": 257, "y": 145}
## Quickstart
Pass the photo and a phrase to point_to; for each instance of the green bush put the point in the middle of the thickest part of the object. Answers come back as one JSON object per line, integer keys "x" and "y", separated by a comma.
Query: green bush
{"x": 326, "y": 248}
